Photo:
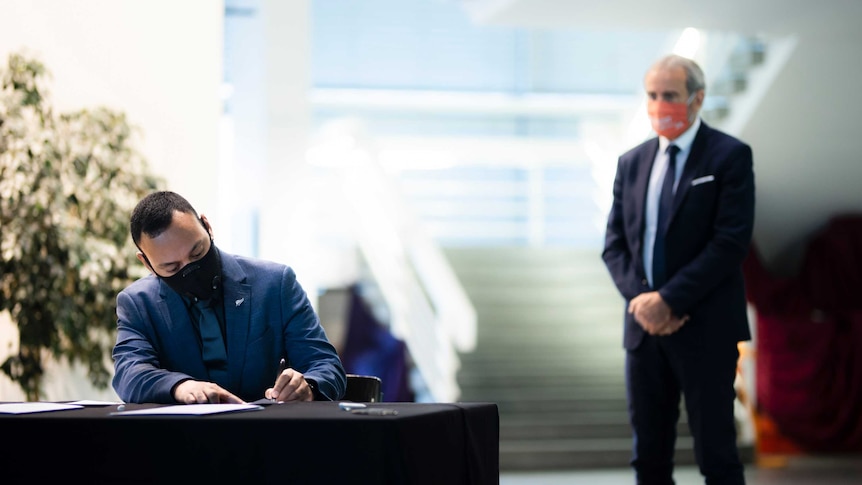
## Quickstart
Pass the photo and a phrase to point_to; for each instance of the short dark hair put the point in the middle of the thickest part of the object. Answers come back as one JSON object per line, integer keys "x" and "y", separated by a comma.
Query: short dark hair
{"x": 154, "y": 214}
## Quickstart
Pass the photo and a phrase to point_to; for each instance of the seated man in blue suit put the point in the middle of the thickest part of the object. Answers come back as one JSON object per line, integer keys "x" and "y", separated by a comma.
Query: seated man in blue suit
{"x": 210, "y": 327}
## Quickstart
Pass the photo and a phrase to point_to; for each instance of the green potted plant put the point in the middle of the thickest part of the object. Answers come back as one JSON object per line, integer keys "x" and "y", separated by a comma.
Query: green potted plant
{"x": 67, "y": 185}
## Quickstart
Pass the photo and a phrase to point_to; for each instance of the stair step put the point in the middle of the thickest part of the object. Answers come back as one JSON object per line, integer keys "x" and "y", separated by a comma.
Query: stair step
{"x": 591, "y": 456}
{"x": 501, "y": 394}
{"x": 582, "y": 425}
{"x": 578, "y": 453}
{"x": 568, "y": 340}
{"x": 572, "y": 378}
{"x": 598, "y": 417}
{"x": 538, "y": 407}
{"x": 551, "y": 446}
{"x": 537, "y": 365}
{"x": 538, "y": 295}
{"x": 560, "y": 314}
{"x": 508, "y": 394}
{"x": 578, "y": 361}
{"x": 564, "y": 338}
{"x": 557, "y": 350}
{"x": 536, "y": 368}
{"x": 605, "y": 431}
{"x": 548, "y": 379}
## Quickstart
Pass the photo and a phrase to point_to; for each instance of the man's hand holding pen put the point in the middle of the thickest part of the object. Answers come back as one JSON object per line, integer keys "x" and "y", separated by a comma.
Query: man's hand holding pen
{"x": 290, "y": 385}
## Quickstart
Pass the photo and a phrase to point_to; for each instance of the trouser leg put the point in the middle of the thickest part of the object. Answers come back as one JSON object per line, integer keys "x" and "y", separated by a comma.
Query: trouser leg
{"x": 653, "y": 399}
{"x": 707, "y": 377}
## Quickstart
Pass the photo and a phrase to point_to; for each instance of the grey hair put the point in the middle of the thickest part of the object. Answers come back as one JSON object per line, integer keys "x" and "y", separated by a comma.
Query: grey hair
{"x": 694, "y": 80}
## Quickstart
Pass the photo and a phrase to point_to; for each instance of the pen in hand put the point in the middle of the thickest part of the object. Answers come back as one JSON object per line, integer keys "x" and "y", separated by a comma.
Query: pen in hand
{"x": 282, "y": 364}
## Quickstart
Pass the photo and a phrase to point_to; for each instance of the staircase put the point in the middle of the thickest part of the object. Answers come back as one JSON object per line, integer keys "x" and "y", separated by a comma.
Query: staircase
{"x": 550, "y": 355}
{"x": 738, "y": 63}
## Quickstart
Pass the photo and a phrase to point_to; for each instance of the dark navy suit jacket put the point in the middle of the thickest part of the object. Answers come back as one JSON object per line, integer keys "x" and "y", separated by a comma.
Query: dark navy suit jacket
{"x": 707, "y": 238}
{"x": 267, "y": 316}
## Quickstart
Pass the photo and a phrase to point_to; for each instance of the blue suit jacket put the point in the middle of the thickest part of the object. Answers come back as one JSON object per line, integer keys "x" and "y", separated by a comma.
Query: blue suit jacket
{"x": 267, "y": 316}
{"x": 707, "y": 237}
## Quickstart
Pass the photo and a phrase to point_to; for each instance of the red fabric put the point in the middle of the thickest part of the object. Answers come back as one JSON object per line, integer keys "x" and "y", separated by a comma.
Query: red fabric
{"x": 808, "y": 341}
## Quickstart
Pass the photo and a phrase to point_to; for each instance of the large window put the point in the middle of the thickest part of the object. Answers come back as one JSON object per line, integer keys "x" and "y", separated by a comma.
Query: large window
{"x": 427, "y": 82}
{"x": 491, "y": 132}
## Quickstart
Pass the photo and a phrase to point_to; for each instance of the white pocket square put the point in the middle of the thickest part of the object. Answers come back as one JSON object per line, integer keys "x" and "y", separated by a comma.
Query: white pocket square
{"x": 702, "y": 180}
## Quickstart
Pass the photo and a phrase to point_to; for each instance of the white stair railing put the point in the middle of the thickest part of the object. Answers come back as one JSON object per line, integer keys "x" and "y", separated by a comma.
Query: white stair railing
{"x": 759, "y": 79}
{"x": 427, "y": 306}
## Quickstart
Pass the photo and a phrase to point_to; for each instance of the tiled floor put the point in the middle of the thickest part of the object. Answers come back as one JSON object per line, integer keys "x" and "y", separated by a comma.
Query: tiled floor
{"x": 828, "y": 470}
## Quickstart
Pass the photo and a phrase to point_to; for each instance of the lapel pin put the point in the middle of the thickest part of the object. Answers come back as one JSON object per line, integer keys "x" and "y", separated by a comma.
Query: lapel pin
{"x": 239, "y": 302}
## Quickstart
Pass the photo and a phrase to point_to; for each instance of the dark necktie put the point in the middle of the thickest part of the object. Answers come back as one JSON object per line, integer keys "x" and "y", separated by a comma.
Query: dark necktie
{"x": 665, "y": 203}
{"x": 213, "y": 348}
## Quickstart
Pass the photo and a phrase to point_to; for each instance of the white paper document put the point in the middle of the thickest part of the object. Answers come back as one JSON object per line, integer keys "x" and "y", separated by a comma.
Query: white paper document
{"x": 90, "y": 402}
{"x": 190, "y": 409}
{"x": 34, "y": 407}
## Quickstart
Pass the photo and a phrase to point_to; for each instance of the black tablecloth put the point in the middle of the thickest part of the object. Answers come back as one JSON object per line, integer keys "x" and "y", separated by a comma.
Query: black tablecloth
{"x": 314, "y": 443}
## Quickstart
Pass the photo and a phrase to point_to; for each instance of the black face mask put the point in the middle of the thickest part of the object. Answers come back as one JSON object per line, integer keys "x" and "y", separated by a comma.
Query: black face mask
{"x": 199, "y": 279}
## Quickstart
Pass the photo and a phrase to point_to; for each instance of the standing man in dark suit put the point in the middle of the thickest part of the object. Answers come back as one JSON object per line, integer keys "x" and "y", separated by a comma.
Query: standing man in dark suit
{"x": 211, "y": 327}
{"x": 677, "y": 234}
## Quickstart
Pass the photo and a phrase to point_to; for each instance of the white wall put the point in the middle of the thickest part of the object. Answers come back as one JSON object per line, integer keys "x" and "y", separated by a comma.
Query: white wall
{"x": 805, "y": 137}
{"x": 159, "y": 61}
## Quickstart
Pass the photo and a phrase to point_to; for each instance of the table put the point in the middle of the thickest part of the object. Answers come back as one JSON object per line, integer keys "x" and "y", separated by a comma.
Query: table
{"x": 314, "y": 443}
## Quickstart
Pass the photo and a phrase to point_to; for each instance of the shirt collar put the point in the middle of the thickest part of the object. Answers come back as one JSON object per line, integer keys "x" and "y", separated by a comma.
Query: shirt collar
{"x": 683, "y": 141}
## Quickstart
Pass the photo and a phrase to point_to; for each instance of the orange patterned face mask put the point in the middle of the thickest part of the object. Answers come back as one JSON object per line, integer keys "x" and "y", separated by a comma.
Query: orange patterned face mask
{"x": 669, "y": 119}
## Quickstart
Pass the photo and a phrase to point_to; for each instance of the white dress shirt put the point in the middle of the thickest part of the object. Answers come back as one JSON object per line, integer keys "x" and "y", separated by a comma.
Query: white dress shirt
{"x": 656, "y": 178}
